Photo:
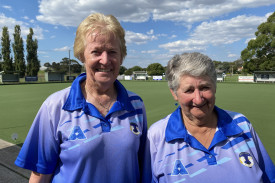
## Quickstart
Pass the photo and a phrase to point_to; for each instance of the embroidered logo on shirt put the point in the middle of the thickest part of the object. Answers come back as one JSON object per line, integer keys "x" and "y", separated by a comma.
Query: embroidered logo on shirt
{"x": 134, "y": 128}
{"x": 246, "y": 159}
{"x": 77, "y": 133}
{"x": 178, "y": 169}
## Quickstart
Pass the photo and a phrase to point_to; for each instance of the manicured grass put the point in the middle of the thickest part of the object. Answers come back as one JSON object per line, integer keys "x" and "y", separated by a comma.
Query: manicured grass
{"x": 20, "y": 103}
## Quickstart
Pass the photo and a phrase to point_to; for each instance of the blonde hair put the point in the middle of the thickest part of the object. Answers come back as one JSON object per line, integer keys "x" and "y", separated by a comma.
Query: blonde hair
{"x": 103, "y": 25}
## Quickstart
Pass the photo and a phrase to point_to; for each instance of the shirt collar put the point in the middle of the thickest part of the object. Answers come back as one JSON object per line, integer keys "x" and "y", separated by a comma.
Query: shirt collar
{"x": 76, "y": 100}
{"x": 175, "y": 128}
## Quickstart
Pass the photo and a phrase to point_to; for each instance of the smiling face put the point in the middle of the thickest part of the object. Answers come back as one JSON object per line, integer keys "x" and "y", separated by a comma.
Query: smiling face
{"x": 196, "y": 96}
{"x": 102, "y": 58}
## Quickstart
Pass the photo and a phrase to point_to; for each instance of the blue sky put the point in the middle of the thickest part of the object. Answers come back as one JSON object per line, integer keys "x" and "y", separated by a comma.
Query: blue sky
{"x": 156, "y": 30}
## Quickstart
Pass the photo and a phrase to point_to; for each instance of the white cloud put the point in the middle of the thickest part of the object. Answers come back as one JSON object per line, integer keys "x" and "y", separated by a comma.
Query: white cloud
{"x": 150, "y": 32}
{"x": 231, "y": 55}
{"x": 65, "y": 48}
{"x": 185, "y": 46}
{"x": 72, "y": 12}
{"x": 41, "y": 52}
{"x": 173, "y": 36}
{"x": 25, "y": 17}
{"x": 7, "y": 7}
{"x": 138, "y": 38}
{"x": 200, "y": 10}
{"x": 228, "y": 31}
{"x": 217, "y": 33}
{"x": 149, "y": 51}
{"x": 11, "y": 22}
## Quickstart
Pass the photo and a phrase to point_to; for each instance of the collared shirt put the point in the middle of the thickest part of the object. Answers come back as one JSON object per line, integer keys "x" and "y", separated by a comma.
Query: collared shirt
{"x": 236, "y": 153}
{"x": 70, "y": 139}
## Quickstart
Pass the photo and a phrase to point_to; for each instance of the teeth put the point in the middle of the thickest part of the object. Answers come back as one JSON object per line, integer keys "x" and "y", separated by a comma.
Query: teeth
{"x": 199, "y": 106}
{"x": 103, "y": 70}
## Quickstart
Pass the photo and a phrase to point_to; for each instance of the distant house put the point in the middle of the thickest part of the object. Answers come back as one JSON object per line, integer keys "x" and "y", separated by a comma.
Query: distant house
{"x": 54, "y": 76}
{"x": 140, "y": 75}
{"x": 240, "y": 69}
{"x": 220, "y": 76}
{"x": 7, "y": 78}
{"x": 264, "y": 76}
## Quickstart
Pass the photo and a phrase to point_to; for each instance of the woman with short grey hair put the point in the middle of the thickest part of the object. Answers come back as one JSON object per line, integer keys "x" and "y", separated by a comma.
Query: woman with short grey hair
{"x": 200, "y": 142}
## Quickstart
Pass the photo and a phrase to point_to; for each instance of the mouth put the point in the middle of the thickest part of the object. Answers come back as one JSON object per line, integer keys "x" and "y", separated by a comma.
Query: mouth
{"x": 199, "y": 106}
{"x": 103, "y": 70}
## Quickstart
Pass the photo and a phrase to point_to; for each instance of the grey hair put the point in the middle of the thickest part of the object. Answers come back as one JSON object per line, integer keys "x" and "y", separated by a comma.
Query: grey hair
{"x": 193, "y": 64}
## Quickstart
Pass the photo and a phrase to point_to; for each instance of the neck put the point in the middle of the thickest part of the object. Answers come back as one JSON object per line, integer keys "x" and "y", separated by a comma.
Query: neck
{"x": 202, "y": 130}
{"x": 101, "y": 99}
{"x": 209, "y": 121}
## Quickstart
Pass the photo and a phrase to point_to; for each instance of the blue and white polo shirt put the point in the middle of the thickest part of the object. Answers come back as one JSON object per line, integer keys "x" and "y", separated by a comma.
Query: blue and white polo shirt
{"x": 236, "y": 153}
{"x": 70, "y": 139}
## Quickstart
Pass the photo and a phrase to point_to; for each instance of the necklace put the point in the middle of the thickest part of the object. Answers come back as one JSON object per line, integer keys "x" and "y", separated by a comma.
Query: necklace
{"x": 206, "y": 141}
{"x": 106, "y": 107}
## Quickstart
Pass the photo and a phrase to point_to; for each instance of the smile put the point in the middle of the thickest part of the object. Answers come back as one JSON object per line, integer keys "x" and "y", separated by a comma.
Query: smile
{"x": 103, "y": 70}
{"x": 199, "y": 106}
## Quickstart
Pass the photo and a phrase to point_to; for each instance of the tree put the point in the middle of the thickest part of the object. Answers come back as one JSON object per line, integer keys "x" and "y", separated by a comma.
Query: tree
{"x": 122, "y": 69}
{"x": 63, "y": 66}
{"x": 222, "y": 66}
{"x": 136, "y": 68}
{"x": 18, "y": 51}
{"x": 56, "y": 67}
{"x": 128, "y": 72}
{"x": 70, "y": 65}
{"x": 1, "y": 63}
{"x": 6, "y": 51}
{"x": 47, "y": 64}
{"x": 32, "y": 58}
{"x": 237, "y": 64}
{"x": 155, "y": 69}
{"x": 260, "y": 52}
{"x": 131, "y": 70}
{"x": 75, "y": 66}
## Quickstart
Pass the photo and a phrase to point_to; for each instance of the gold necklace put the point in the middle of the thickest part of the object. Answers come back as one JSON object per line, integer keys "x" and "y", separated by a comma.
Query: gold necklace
{"x": 106, "y": 108}
{"x": 206, "y": 141}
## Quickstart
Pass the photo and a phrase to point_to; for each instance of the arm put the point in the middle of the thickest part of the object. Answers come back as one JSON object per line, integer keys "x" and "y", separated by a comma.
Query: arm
{"x": 144, "y": 153}
{"x": 265, "y": 161}
{"x": 40, "y": 178}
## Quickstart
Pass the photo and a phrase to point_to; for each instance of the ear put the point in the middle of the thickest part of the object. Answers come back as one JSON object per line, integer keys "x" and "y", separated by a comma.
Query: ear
{"x": 174, "y": 94}
{"x": 82, "y": 58}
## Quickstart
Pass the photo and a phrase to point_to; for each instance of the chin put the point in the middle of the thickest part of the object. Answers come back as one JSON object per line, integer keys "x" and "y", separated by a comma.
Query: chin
{"x": 199, "y": 114}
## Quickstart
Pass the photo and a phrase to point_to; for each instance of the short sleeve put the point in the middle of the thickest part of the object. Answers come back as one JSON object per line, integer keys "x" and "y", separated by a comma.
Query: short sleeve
{"x": 40, "y": 150}
{"x": 264, "y": 159}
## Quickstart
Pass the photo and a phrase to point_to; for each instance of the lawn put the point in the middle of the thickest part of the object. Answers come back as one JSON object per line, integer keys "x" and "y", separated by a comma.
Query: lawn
{"x": 20, "y": 103}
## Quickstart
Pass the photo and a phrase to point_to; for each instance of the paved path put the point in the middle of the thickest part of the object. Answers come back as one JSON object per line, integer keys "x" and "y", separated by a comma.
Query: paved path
{"x": 9, "y": 173}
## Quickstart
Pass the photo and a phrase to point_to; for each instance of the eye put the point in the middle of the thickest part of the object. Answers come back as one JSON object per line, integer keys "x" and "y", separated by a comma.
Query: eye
{"x": 95, "y": 52}
{"x": 189, "y": 90}
{"x": 112, "y": 52}
{"x": 205, "y": 88}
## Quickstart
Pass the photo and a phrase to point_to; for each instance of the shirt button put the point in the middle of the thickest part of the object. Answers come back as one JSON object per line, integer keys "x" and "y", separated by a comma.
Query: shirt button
{"x": 210, "y": 156}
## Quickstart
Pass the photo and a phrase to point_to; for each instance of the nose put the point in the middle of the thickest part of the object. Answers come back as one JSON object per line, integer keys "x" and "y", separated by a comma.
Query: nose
{"x": 104, "y": 58}
{"x": 198, "y": 97}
